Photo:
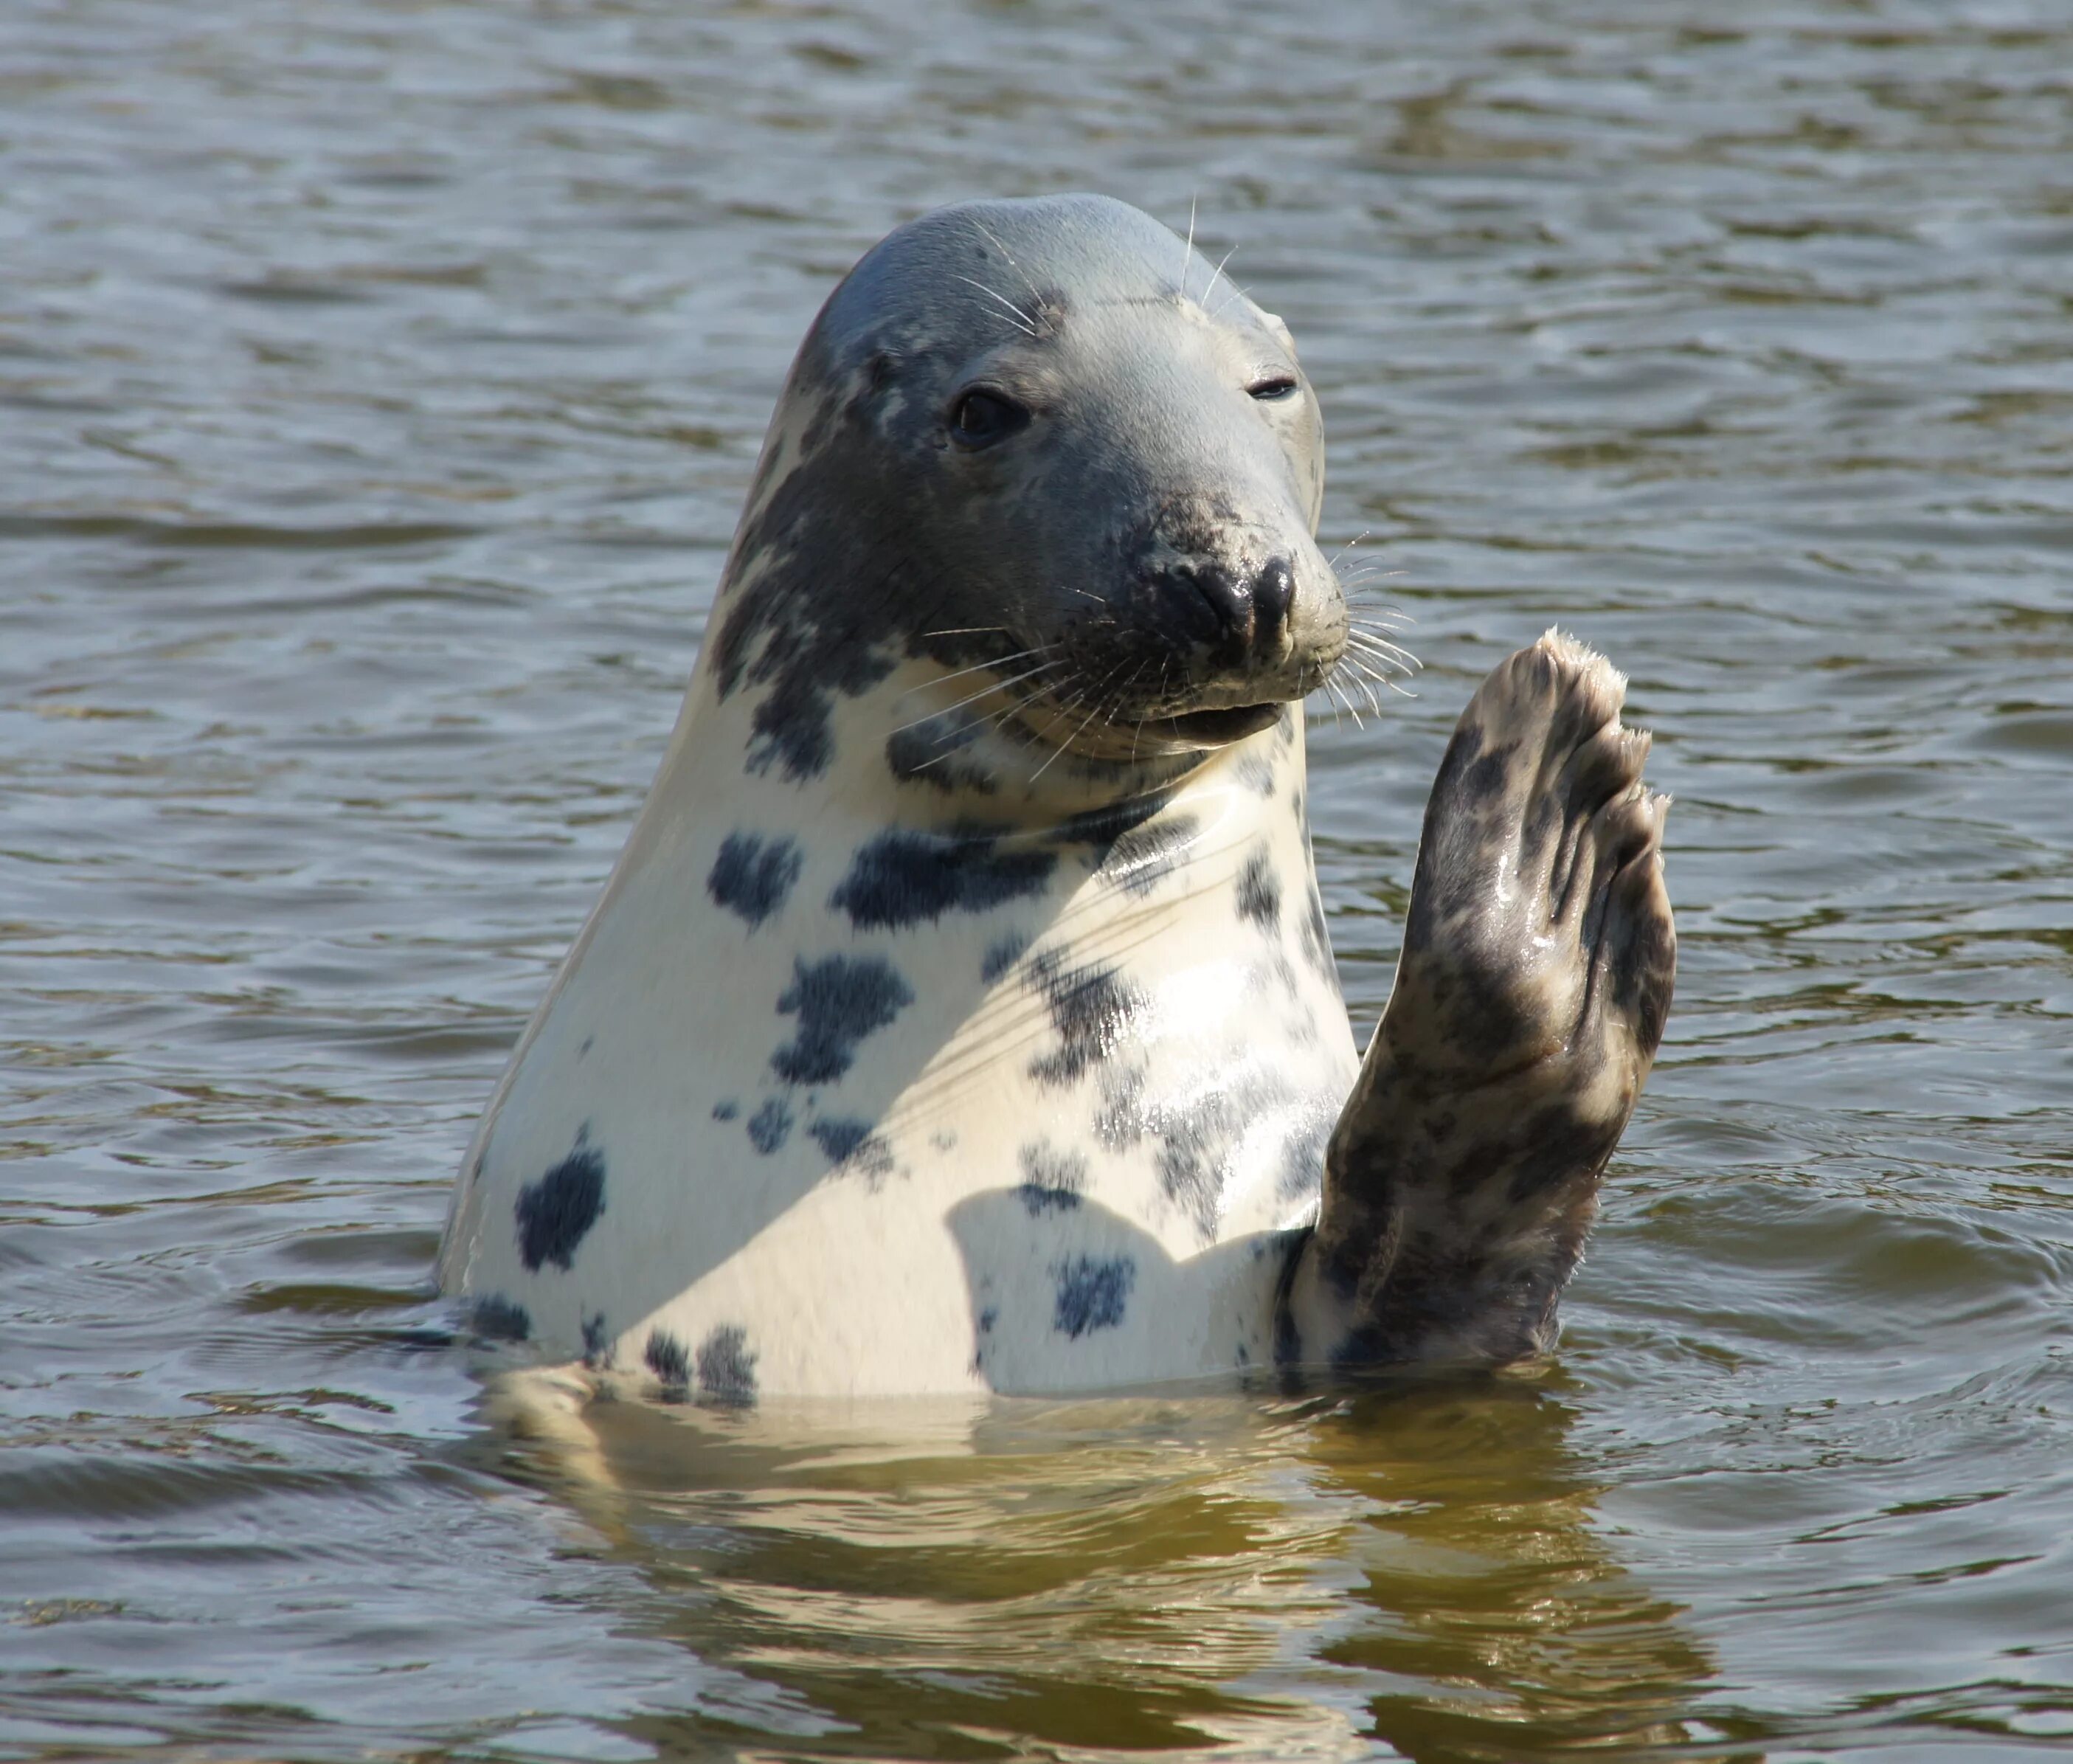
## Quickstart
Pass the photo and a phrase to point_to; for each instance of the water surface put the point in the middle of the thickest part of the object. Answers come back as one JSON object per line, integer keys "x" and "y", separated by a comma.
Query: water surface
{"x": 379, "y": 382}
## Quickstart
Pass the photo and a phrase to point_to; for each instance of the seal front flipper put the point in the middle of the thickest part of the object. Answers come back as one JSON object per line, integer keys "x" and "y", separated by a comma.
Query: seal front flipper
{"x": 1539, "y": 956}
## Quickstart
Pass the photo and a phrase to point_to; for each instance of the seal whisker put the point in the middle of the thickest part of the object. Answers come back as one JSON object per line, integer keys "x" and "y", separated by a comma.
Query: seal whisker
{"x": 1367, "y": 670}
{"x": 1361, "y": 680}
{"x": 970, "y": 698}
{"x": 1101, "y": 697}
{"x": 1036, "y": 292}
{"x": 1389, "y": 654}
{"x": 1382, "y": 649}
{"x": 1388, "y": 685}
{"x": 1023, "y": 322}
{"x": 1214, "y": 274}
{"x": 1233, "y": 290}
{"x": 1382, "y": 619}
{"x": 1063, "y": 745}
{"x": 1115, "y": 702}
{"x": 1373, "y": 641}
{"x": 1332, "y": 562}
{"x": 1360, "y": 594}
{"x": 1382, "y": 677}
{"x": 1072, "y": 705}
{"x": 999, "y": 661}
{"x": 956, "y": 740}
{"x": 1376, "y": 630}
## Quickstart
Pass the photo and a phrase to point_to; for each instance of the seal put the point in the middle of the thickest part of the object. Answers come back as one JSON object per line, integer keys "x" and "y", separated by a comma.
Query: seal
{"x": 961, "y": 1015}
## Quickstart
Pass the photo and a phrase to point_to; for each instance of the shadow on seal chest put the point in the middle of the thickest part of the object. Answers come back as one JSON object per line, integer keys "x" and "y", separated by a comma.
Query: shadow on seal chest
{"x": 961, "y": 1013}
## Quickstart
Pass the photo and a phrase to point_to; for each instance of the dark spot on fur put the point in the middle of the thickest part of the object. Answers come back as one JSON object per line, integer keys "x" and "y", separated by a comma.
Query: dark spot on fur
{"x": 1091, "y": 1008}
{"x": 821, "y": 618}
{"x": 497, "y": 1318}
{"x": 670, "y": 1364}
{"x": 1259, "y": 892}
{"x": 930, "y": 753}
{"x": 752, "y": 876}
{"x": 1101, "y": 828}
{"x": 726, "y": 1368}
{"x": 1255, "y": 772}
{"x": 1002, "y": 954}
{"x": 902, "y": 876}
{"x": 839, "y": 1001}
{"x": 726, "y": 1109}
{"x": 1124, "y": 1116}
{"x": 1140, "y": 860}
{"x": 1053, "y": 1181}
{"x": 1092, "y": 1293}
{"x": 1045, "y": 1166}
{"x": 588, "y": 1042}
{"x": 553, "y": 1213}
{"x": 597, "y": 1344}
{"x": 987, "y": 1320}
{"x": 854, "y": 1147}
{"x": 1196, "y": 1139}
{"x": 770, "y": 1126}
{"x": 1193, "y": 1149}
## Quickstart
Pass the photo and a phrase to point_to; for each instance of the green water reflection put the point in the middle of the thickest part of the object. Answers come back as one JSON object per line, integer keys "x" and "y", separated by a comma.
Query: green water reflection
{"x": 1421, "y": 1566}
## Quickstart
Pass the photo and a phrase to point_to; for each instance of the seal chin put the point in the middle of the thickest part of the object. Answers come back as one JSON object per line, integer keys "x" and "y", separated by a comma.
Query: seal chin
{"x": 1216, "y": 728}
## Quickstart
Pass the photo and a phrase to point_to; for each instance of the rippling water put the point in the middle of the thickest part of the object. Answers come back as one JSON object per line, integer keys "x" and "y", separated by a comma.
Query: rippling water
{"x": 378, "y": 385}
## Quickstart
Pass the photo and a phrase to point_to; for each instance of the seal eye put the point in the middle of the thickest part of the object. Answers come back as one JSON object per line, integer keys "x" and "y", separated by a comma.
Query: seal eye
{"x": 1273, "y": 390}
{"x": 981, "y": 418}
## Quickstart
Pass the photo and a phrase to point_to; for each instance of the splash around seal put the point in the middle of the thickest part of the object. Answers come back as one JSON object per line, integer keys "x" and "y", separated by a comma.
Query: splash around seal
{"x": 960, "y": 1015}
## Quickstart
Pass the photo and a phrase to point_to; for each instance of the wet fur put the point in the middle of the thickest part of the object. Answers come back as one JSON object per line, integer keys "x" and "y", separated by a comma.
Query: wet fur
{"x": 961, "y": 1014}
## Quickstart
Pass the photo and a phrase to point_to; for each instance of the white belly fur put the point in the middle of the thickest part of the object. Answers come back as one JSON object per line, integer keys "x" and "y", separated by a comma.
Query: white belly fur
{"x": 937, "y": 1266}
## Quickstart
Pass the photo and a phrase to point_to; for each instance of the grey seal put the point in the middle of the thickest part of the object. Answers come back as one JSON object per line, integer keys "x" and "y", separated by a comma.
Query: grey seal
{"x": 961, "y": 1015}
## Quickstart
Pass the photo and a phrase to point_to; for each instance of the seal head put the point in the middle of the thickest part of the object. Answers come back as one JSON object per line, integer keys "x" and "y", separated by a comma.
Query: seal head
{"x": 1014, "y": 437}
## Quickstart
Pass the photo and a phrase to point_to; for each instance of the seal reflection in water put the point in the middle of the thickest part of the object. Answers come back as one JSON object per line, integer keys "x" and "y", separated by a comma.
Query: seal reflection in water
{"x": 960, "y": 1015}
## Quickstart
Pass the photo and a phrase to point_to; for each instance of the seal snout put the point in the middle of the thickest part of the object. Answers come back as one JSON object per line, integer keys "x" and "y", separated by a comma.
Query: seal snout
{"x": 1240, "y": 616}
{"x": 1248, "y": 610}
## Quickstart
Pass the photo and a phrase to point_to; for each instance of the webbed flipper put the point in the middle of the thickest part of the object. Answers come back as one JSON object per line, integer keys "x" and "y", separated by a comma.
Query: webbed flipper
{"x": 1538, "y": 957}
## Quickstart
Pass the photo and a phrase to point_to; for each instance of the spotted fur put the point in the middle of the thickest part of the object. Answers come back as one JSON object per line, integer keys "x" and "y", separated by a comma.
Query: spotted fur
{"x": 961, "y": 1015}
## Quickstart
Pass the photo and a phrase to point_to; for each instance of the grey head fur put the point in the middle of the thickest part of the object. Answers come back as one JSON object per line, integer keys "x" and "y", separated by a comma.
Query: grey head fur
{"x": 1030, "y": 439}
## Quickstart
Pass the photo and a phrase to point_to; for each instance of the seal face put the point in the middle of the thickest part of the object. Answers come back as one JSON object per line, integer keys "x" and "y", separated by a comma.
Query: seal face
{"x": 960, "y": 1014}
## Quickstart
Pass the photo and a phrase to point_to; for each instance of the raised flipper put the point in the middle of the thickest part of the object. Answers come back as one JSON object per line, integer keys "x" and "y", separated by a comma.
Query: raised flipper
{"x": 1539, "y": 956}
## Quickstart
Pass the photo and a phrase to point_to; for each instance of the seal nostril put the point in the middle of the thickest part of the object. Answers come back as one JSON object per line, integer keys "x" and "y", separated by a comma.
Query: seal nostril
{"x": 1230, "y": 605}
{"x": 1273, "y": 592}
